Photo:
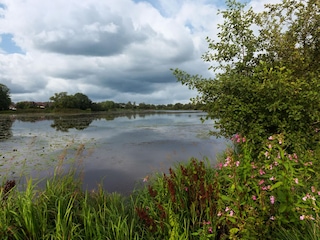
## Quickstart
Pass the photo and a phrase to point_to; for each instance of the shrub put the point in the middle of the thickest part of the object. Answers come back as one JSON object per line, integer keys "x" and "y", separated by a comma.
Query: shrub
{"x": 261, "y": 194}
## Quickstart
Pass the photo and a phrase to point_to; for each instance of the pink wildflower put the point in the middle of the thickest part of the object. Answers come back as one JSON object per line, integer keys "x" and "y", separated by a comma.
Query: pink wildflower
{"x": 227, "y": 163}
{"x": 236, "y": 138}
{"x": 253, "y": 166}
{"x": 219, "y": 214}
{"x": 254, "y": 198}
{"x": 313, "y": 189}
{"x": 302, "y": 217}
{"x": 237, "y": 163}
{"x": 210, "y": 230}
{"x": 270, "y": 138}
{"x": 261, "y": 172}
{"x": 227, "y": 209}
{"x": 296, "y": 180}
{"x": 272, "y": 199}
{"x": 272, "y": 218}
{"x": 308, "y": 196}
{"x": 261, "y": 182}
{"x": 231, "y": 213}
{"x": 272, "y": 178}
{"x": 243, "y": 139}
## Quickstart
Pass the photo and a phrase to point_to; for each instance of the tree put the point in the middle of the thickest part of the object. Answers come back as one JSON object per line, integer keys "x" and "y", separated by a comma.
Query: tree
{"x": 63, "y": 100}
{"x": 26, "y": 105}
{"x": 82, "y": 101}
{"x": 266, "y": 73}
{"x": 60, "y": 100}
{"x": 106, "y": 105}
{"x": 5, "y": 99}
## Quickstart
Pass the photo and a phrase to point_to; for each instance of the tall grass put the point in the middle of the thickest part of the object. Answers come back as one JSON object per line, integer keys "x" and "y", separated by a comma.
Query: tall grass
{"x": 63, "y": 211}
{"x": 310, "y": 232}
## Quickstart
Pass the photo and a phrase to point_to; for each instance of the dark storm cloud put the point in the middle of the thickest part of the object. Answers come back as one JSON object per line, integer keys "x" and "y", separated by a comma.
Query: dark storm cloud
{"x": 98, "y": 36}
{"x": 74, "y": 74}
{"x": 14, "y": 88}
{"x": 23, "y": 88}
{"x": 139, "y": 84}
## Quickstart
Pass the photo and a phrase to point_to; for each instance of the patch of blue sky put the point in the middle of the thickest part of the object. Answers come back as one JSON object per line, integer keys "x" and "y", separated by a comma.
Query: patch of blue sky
{"x": 2, "y": 8}
{"x": 155, "y": 4}
{"x": 166, "y": 13}
{"x": 190, "y": 27}
{"x": 8, "y": 45}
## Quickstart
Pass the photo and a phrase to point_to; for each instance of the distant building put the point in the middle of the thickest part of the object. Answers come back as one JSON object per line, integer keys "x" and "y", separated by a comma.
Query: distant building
{"x": 13, "y": 108}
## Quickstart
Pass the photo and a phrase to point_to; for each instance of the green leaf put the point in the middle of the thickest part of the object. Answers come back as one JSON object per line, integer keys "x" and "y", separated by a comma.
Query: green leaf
{"x": 231, "y": 219}
{"x": 276, "y": 185}
{"x": 234, "y": 230}
{"x": 239, "y": 188}
{"x": 232, "y": 187}
{"x": 282, "y": 208}
{"x": 226, "y": 198}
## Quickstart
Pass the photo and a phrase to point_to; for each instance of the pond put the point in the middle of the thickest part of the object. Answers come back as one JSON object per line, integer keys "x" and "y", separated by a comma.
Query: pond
{"x": 115, "y": 150}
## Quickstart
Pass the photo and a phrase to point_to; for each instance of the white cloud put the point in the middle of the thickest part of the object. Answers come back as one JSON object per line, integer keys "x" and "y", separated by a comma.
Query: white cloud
{"x": 117, "y": 49}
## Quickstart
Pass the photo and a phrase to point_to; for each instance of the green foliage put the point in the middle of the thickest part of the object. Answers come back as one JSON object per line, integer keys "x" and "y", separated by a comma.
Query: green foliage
{"x": 5, "y": 99}
{"x": 311, "y": 232}
{"x": 82, "y": 101}
{"x": 106, "y": 105}
{"x": 266, "y": 73}
{"x": 26, "y": 105}
{"x": 63, "y": 211}
{"x": 263, "y": 194}
{"x": 63, "y": 100}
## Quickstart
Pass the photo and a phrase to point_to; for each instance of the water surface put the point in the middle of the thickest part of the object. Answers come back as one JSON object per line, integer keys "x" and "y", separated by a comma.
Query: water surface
{"x": 117, "y": 151}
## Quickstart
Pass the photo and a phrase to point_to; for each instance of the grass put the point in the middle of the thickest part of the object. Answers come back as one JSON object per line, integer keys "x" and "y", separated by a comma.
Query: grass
{"x": 63, "y": 211}
{"x": 195, "y": 200}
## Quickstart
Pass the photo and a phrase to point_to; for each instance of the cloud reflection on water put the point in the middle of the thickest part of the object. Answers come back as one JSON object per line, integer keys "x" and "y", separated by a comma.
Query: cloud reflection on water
{"x": 119, "y": 152}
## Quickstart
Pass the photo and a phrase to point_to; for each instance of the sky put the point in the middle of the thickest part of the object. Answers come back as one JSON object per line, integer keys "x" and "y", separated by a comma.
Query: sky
{"x": 119, "y": 50}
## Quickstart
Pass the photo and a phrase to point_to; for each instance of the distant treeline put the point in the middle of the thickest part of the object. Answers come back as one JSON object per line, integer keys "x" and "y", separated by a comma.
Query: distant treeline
{"x": 80, "y": 101}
